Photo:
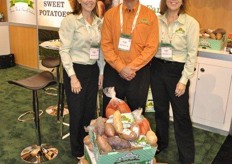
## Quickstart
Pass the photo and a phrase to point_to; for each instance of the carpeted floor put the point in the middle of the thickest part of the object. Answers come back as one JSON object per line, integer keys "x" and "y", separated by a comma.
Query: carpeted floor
{"x": 15, "y": 136}
{"x": 224, "y": 156}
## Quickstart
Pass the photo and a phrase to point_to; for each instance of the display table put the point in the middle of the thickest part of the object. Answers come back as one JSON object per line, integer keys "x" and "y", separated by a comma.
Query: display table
{"x": 212, "y": 54}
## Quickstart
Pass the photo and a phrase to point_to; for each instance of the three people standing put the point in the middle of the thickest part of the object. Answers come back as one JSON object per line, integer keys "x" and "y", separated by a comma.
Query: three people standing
{"x": 131, "y": 35}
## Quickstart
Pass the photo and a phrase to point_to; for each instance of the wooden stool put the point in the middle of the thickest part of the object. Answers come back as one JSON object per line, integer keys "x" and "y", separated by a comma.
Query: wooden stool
{"x": 39, "y": 152}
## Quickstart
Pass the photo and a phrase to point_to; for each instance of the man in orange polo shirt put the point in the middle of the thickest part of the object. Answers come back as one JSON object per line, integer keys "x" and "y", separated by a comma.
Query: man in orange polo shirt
{"x": 129, "y": 41}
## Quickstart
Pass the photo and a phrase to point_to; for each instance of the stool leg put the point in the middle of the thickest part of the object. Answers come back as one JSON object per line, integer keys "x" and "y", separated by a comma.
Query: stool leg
{"x": 36, "y": 116}
{"x": 60, "y": 105}
{"x": 62, "y": 100}
{"x": 59, "y": 93}
{"x": 62, "y": 112}
{"x": 41, "y": 152}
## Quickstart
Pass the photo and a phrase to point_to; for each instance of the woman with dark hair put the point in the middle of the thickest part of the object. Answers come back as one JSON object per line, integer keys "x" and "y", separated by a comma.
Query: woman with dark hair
{"x": 81, "y": 58}
{"x": 171, "y": 69}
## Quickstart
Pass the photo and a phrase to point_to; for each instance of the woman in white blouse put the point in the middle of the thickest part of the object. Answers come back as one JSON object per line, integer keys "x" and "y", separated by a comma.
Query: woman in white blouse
{"x": 171, "y": 69}
{"x": 83, "y": 64}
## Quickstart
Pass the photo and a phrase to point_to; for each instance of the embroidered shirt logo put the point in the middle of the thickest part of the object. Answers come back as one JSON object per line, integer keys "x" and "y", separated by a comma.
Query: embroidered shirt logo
{"x": 180, "y": 31}
{"x": 144, "y": 21}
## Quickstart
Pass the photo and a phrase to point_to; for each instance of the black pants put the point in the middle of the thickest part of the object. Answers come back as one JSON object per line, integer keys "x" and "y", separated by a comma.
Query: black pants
{"x": 82, "y": 106}
{"x": 134, "y": 91}
{"x": 164, "y": 78}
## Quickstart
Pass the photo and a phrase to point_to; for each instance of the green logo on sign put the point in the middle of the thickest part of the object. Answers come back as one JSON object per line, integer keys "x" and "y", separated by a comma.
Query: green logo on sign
{"x": 29, "y": 2}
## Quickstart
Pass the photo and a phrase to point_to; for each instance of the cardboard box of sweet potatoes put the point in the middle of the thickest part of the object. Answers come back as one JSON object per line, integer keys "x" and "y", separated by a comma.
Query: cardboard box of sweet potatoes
{"x": 123, "y": 137}
{"x": 119, "y": 139}
{"x": 212, "y": 39}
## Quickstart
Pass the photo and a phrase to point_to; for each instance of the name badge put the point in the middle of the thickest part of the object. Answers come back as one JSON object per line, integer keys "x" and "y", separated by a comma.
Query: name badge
{"x": 124, "y": 42}
{"x": 94, "y": 52}
{"x": 166, "y": 50}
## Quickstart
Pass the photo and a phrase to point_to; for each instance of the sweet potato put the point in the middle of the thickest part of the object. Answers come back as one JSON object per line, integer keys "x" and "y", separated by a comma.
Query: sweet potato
{"x": 117, "y": 122}
{"x": 87, "y": 140}
{"x": 109, "y": 130}
{"x": 220, "y": 30}
{"x": 118, "y": 143}
{"x": 128, "y": 135}
{"x": 151, "y": 137}
{"x": 103, "y": 144}
{"x": 212, "y": 36}
{"x": 218, "y": 36}
{"x": 90, "y": 146}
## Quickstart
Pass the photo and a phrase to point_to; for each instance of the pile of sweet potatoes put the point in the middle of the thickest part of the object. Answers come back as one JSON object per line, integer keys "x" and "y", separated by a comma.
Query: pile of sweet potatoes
{"x": 120, "y": 131}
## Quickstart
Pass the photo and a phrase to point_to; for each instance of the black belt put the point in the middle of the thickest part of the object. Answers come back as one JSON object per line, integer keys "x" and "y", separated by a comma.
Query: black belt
{"x": 166, "y": 61}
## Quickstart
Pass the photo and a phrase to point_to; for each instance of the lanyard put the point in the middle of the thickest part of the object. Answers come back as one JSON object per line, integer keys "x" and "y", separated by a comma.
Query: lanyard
{"x": 135, "y": 19}
{"x": 169, "y": 36}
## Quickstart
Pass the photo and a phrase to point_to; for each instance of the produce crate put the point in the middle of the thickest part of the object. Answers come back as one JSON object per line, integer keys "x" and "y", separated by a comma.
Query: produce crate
{"x": 140, "y": 155}
{"x": 137, "y": 156}
{"x": 212, "y": 44}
